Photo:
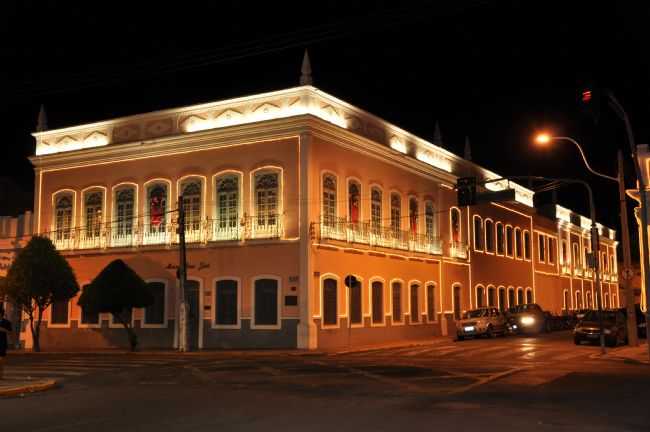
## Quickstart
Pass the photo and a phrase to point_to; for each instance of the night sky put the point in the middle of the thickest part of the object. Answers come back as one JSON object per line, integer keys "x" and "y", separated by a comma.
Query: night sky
{"x": 496, "y": 71}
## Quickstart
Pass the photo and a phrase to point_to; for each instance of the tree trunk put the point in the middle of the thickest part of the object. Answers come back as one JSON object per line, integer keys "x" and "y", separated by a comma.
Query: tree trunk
{"x": 133, "y": 338}
{"x": 36, "y": 330}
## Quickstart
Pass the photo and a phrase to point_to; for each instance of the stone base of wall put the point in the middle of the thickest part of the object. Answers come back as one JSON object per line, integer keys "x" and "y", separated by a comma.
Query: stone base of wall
{"x": 245, "y": 337}
{"x": 369, "y": 334}
{"x": 104, "y": 337}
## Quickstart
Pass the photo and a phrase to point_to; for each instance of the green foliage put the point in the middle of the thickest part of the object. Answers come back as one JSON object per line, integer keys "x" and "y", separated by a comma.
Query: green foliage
{"x": 116, "y": 289}
{"x": 39, "y": 276}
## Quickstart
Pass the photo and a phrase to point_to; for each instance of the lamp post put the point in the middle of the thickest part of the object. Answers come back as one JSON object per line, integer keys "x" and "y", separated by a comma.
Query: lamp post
{"x": 625, "y": 232}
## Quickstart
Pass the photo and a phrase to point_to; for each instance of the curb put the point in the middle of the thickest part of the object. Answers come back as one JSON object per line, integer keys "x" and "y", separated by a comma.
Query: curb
{"x": 29, "y": 388}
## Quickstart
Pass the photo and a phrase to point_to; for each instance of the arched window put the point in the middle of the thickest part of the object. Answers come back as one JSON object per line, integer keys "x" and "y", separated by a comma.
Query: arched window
{"x": 565, "y": 306}
{"x": 565, "y": 253}
{"x": 93, "y": 207}
{"x": 480, "y": 296}
{"x": 377, "y": 302}
{"x": 541, "y": 249}
{"x": 226, "y": 307}
{"x": 606, "y": 304}
{"x": 529, "y": 295}
{"x": 502, "y": 298}
{"x": 431, "y": 302}
{"x": 157, "y": 207}
{"x": 375, "y": 209}
{"x": 500, "y": 239}
{"x": 511, "y": 297}
{"x": 330, "y": 302}
{"x": 329, "y": 201}
{"x": 520, "y": 296}
{"x": 489, "y": 236}
{"x": 454, "y": 219}
{"x": 478, "y": 233}
{"x": 191, "y": 191}
{"x": 227, "y": 203}
{"x": 124, "y": 205}
{"x": 413, "y": 215}
{"x": 429, "y": 220}
{"x": 355, "y": 314}
{"x": 578, "y": 300}
{"x": 552, "y": 249}
{"x": 396, "y": 293}
{"x": 354, "y": 202}
{"x": 267, "y": 190}
{"x": 518, "y": 248}
{"x": 614, "y": 300}
{"x": 491, "y": 296}
{"x": 415, "y": 303}
{"x": 575, "y": 256}
{"x": 63, "y": 216}
{"x": 509, "y": 241}
{"x": 395, "y": 212}
{"x": 588, "y": 299}
{"x": 527, "y": 245}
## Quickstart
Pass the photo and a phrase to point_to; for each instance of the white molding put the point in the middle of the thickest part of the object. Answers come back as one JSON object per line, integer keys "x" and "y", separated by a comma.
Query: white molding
{"x": 402, "y": 320}
{"x": 383, "y": 300}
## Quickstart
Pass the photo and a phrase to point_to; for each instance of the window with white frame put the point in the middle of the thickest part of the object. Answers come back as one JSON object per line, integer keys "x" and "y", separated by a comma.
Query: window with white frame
{"x": 93, "y": 208}
{"x": 455, "y": 225}
{"x": 375, "y": 209}
{"x": 124, "y": 205}
{"x": 541, "y": 247}
{"x": 59, "y": 311}
{"x": 157, "y": 207}
{"x": 576, "y": 255}
{"x": 489, "y": 236}
{"x": 564, "y": 257}
{"x": 355, "y": 314}
{"x": 226, "y": 302}
{"x": 413, "y": 215}
{"x": 354, "y": 201}
{"x": 526, "y": 245}
{"x": 377, "y": 302}
{"x": 431, "y": 302}
{"x": 266, "y": 302}
{"x": 155, "y": 312}
{"x": 529, "y": 295}
{"x": 267, "y": 190}
{"x": 520, "y": 296}
{"x": 191, "y": 192}
{"x": 551, "y": 250}
{"x": 415, "y": 303}
{"x": 395, "y": 212}
{"x": 509, "y": 241}
{"x": 429, "y": 220}
{"x": 227, "y": 202}
{"x": 565, "y": 306}
{"x": 478, "y": 233}
{"x": 518, "y": 246}
{"x": 480, "y": 296}
{"x": 63, "y": 216}
{"x": 329, "y": 200}
{"x": 491, "y": 296}
{"x": 500, "y": 239}
{"x": 330, "y": 301}
{"x": 396, "y": 292}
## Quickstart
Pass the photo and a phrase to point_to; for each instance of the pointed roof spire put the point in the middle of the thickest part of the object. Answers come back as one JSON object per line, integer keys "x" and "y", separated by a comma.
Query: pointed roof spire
{"x": 467, "y": 154}
{"x": 41, "y": 124}
{"x": 305, "y": 70}
{"x": 437, "y": 136}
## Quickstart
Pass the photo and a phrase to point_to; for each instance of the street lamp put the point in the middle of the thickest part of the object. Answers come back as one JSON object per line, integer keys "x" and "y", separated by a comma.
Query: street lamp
{"x": 543, "y": 139}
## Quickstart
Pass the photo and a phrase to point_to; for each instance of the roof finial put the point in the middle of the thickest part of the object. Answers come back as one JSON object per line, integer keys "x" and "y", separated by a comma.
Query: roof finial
{"x": 305, "y": 70}
{"x": 437, "y": 136}
{"x": 41, "y": 124}
{"x": 467, "y": 155}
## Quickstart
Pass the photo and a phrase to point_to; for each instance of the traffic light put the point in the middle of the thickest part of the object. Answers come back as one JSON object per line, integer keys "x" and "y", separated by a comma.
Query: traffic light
{"x": 466, "y": 191}
{"x": 589, "y": 99}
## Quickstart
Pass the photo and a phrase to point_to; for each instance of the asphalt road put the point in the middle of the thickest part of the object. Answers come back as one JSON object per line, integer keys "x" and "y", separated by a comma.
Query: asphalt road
{"x": 513, "y": 383}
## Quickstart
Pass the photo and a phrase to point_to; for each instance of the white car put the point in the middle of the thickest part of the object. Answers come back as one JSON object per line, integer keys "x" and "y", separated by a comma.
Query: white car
{"x": 486, "y": 321}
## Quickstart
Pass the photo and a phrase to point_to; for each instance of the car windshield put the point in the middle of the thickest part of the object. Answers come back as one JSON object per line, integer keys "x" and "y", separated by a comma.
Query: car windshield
{"x": 593, "y": 316}
{"x": 476, "y": 313}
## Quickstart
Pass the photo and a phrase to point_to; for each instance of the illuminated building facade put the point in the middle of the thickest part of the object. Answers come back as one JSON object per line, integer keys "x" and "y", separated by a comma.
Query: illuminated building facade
{"x": 287, "y": 194}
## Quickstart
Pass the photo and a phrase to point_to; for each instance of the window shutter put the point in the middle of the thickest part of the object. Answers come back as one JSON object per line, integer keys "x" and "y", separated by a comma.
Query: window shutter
{"x": 397, "y": 302}
{"x": 329, "y": 302}
{"x": 226, "y": 302}
{"x": 355, "y": 303}
{"x": 155, "y": 313}
{"x": 266, "y": 302}
{"x": 431, "y": 302}
{"x": 415, "y": 310}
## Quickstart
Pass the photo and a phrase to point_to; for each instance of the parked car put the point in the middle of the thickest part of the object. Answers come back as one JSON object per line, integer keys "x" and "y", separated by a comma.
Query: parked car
{"x": 527, "y": 318}
{"x": 640, "y": 320}
{"x": 553, "y": 322}
{"x": 481, "y": 322}
{"x": 580, "y": 314}
{"x": 614, "y": 328}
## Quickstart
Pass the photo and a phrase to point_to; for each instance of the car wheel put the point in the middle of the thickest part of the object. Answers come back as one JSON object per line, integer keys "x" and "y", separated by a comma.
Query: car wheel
{"x": 489, "y": 332}
{"x": 577, "y": 340}
{"x": 460, "y": 338}
{"x": 547, "y": 327}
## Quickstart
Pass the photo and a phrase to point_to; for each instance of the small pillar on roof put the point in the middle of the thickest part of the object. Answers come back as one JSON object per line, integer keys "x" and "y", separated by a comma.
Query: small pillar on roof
{"x": 305, "y": 70}
{"x": 41, "y": 124}
{"x": 467, "y": 153}
{"x": 437, "y": 136}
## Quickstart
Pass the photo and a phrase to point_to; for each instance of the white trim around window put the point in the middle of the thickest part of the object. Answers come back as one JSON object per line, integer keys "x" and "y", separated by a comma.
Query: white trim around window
{"x": 55, "y": 195}
{"x": 426, "y": 301}
{"x": 67, "y": 324}
{"x": 421, "y": 295}
{"x": 143, "y": 321}
{"x": 278, "y": 325}
{"x": 481, "y": 234}
{"x": 213, "y": 317}
{"x": 203, "y": 180}
{"x": 321, "y": 287}
{"x": 383, "y": 300}
{"x": 145, "y": 201}
{"x": 401, "y": 299}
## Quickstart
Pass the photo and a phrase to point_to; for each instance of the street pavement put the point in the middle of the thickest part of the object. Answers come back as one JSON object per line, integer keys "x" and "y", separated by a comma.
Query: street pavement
{"x": 536, "y": 383}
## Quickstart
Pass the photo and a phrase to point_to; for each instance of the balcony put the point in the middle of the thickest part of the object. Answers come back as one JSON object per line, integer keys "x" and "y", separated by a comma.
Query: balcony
{"x": 458, "y": 249}
{"x": 366, "y": 233}
{"x": 565, "y": 269}
{"x": 115, "y": 235}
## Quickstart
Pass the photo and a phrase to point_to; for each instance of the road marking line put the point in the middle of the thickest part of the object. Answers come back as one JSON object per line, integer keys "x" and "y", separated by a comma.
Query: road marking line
{"x": 487, "y": 380}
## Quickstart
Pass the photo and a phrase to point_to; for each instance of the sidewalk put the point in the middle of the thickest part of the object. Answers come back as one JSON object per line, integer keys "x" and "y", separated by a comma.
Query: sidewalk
{"x": 632, "y": 354}
{"x": 16, "y": 387}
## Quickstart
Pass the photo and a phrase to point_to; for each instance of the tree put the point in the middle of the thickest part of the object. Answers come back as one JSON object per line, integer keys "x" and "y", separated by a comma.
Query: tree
{"x": 117, "y": 290}
{"x": 38, "y": 277}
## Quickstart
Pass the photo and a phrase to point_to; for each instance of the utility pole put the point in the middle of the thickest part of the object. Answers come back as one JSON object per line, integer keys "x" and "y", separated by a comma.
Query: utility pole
{"x": 632, "y": 336}
{"x": 182, "y": 277}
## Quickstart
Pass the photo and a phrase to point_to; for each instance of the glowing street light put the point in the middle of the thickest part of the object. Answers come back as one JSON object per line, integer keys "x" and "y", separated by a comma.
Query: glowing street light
{"x": 543, "y": 138}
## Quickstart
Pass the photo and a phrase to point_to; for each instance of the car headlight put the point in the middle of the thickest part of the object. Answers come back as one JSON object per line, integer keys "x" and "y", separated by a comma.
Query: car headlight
{"x": 607, "y": 331}
{"x": 527, "y": 320}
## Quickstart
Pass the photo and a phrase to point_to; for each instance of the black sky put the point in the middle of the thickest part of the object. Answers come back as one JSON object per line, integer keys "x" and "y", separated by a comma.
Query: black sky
{"x": 496, "y": 71}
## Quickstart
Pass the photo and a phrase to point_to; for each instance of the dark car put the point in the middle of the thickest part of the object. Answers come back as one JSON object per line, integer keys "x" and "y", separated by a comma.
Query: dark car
{"x": 527, "y": 318}
{"x": 553, "y": 322}
{"x": 640, "y": 320}
{"x": 614, "y": 328}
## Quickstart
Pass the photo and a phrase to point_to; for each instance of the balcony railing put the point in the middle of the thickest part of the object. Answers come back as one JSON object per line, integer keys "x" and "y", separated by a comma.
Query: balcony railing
{"x": 458, "y": 249}
{"x": 101, "y": 236}
{"x": 373, "y": 235}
